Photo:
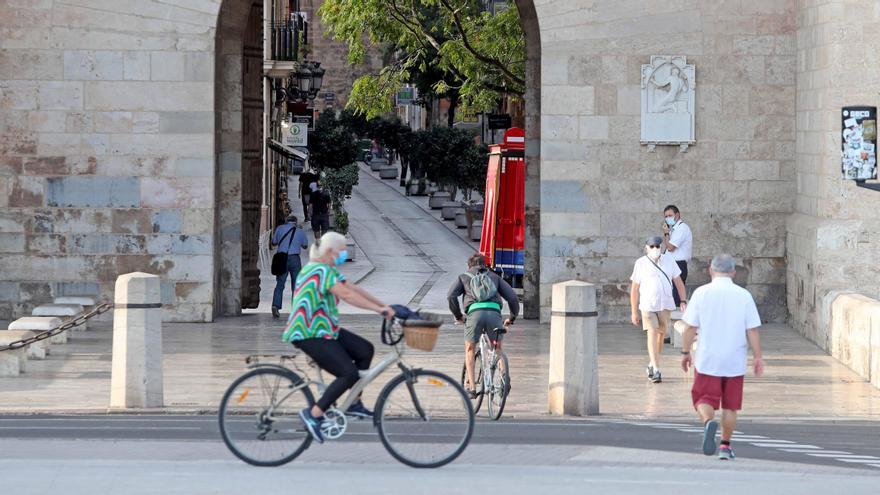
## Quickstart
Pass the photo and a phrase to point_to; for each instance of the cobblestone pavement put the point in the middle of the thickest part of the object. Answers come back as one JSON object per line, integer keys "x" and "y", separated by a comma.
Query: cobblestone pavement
{"x": 202, "y": 359}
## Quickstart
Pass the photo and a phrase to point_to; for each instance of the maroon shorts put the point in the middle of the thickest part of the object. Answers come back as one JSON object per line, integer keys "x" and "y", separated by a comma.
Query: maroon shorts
{"x": 720, "y": 392}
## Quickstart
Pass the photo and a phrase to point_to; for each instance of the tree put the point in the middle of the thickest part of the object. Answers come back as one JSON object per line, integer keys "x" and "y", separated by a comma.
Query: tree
{"x": 453, "y": 46}
{"x": 333, "y": 151}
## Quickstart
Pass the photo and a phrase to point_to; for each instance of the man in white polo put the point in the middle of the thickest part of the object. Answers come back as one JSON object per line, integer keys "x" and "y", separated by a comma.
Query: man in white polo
{"x": 655, "y": 277}
{"x": 728, "y": 322}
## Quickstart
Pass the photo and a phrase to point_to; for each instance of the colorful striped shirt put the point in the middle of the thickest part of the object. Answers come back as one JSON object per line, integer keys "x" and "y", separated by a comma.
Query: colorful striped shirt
{"x": 314, "y": 313}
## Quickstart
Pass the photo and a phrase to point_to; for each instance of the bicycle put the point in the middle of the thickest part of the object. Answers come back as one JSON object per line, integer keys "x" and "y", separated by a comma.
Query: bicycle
{"x": 496, "y": 383}
{"x": 423, "y": 417}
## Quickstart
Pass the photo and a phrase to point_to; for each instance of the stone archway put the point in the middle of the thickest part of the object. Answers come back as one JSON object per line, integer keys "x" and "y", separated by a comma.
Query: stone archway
{"x": 238, "y": 172}
{"x": 532, "y": 279}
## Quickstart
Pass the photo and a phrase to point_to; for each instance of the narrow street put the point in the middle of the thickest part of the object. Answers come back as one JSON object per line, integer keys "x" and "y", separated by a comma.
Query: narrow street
{"x": 416, "y": 258}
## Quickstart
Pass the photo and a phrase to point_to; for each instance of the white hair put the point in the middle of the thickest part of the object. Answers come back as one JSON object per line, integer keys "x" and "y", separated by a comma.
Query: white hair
{"x": 723, "y": 263}
{"x": 328, "y": 241}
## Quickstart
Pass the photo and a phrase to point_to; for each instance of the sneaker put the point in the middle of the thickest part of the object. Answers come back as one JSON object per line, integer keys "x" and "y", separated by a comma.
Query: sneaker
{"x": 667, "y": 340}
{"x": 312, "y": 424}
{"x": 725, "y": 453}
{"x": 656, "y": 378}
{"x": 709, "y": 436}
{"x": 359, "y": 410}
{"x": 275, "y": 312}
{"x": 649, "y": 371}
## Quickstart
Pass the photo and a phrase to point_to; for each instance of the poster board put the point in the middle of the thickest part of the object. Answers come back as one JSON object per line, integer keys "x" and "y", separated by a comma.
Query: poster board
{"x": 858, "y": 143}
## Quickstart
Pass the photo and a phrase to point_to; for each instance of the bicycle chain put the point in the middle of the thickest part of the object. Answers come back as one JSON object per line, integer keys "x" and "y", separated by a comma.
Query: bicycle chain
{"x": 64, "y": 326}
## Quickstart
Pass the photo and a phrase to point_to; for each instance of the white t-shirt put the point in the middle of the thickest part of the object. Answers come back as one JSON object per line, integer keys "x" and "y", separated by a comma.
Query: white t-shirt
{"x": 682, "y": 238}
{"x": 655, "y": 290}
{"x": 723, "y": 311}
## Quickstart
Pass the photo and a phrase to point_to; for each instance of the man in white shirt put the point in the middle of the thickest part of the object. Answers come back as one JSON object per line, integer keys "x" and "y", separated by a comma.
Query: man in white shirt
{"x": 678, "y": 241}
{"x": 654, "y": 279}
{"x": 728, "y": 322}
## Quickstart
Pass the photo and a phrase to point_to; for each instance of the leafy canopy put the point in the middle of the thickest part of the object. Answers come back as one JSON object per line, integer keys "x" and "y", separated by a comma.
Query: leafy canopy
{"x": 454, "y": 46}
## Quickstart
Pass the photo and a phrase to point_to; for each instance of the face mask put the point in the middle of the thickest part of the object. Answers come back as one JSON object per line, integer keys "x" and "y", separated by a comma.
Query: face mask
{"x": 654, "y": 253}
{"x": 341, "y": 257}
{"x": 670, "y": 221}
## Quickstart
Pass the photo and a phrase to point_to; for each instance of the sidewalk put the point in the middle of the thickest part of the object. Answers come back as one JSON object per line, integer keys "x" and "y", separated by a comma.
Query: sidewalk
{"x": 201, "y": 360}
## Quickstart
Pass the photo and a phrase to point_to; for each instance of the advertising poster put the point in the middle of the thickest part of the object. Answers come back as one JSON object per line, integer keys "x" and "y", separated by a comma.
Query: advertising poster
{"x": 858, "y": 153}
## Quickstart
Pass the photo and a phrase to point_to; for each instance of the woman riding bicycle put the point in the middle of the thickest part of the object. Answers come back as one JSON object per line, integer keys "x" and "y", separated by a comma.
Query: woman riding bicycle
{"x": 313, "y": 326}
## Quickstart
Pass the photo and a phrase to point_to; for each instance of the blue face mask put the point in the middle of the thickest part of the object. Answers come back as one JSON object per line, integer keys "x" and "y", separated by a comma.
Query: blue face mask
{"x": 670, "y": 221}
{"x": 341, "y": 257}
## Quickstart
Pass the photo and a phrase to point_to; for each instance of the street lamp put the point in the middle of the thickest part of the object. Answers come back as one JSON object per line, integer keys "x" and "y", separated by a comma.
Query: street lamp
{"x": 305, "y": 81}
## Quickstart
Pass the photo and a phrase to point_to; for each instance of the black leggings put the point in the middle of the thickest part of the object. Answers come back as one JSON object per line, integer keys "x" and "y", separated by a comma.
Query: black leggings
{"x": 342, "y": 357}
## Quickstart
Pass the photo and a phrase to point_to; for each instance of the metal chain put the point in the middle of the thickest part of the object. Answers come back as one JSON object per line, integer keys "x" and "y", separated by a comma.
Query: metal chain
{"x": 64, "y": 326}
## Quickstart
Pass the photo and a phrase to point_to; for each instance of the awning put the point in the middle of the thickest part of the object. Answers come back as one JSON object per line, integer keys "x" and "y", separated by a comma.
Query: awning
{"x": 287, "y": 150}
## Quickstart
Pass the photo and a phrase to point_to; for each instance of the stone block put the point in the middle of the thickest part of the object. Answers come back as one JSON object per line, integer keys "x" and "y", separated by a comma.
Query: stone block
{"x": 136, "y": 379}
{"x": 564, "y": 196}
{"x": 113, "y": 122}
{"x": 58, "y": 95}
{"x": 194, "y": 167}
{"x": 26, "y": 191}
{"x": 65, "y": 310}
{"x": 593, "y": 127}
{"x": 148, "y": 96}
{"x": 177, "y": 193}
{"x": 573, "y": 246}
{"x": 41, "y": 324}
{"x": 12, "y": 243}
{"x": 567, "y": 224}
{"x": 167, "y": 66}
{"x": 12, "y": 362}
{"x": 855, "y": 327}
{"x": 91, "y": 65}
{"x": 198, "y": 66}
{"x": 559, "y": 127}
{"x": 573, "y": 387}
{"x": 576, "y": 170}
{"x": 568, "y": 100}
{"x": 136, "y": 66}
{"x": 197, "y": 221}
{"x": 31, "y": 64}
{"x": 94, "y": 192}
{"x": 186, "y": 122}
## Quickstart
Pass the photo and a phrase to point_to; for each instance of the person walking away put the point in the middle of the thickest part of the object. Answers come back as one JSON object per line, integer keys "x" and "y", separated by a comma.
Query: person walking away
{"x": 305, "y": 191}
{"x": 482, "y": 292}
{"x": 727, "y": 320}
{"x": 655, "y": 278}
{"x": 320, "y": 201}
{"x": 291, "y": 240}
{"x": 678, "y": 240}
{"x": 313, "y": 327}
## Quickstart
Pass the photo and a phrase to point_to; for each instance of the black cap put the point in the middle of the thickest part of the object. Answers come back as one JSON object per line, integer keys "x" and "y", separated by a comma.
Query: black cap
{"x": 654, "y": 241}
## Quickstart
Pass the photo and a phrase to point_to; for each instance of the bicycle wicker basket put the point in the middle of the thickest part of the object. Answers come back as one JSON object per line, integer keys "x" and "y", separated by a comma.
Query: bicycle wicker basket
{"x": 422, "y": 334}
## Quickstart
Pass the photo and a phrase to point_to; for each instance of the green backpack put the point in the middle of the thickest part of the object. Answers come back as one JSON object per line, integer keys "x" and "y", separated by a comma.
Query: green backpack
{"x": 482, "y": 286}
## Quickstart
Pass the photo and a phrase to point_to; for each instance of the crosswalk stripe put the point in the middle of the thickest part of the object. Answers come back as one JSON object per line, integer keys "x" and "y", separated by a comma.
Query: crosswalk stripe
{"x": 859, "y": 461}
{"x": 792, "y": 446}
{"x": 843, "y": 456}
{"x": 813, "y": 452}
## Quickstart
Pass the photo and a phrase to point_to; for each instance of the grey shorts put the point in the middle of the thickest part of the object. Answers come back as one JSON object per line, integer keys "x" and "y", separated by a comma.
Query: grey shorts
{"x": 479, "y": 320}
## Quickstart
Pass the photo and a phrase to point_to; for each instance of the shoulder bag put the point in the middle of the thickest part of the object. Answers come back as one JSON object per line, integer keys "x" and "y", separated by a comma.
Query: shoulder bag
{"x": 279, "y": 261}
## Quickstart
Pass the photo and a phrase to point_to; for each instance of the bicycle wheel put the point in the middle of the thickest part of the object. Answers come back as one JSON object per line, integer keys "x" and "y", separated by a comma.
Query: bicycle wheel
{"x": 259, "y": 417}
{"x": 425, "y": 418}
{"x": 500, "y": 385}
{"x": 478, "y": 379}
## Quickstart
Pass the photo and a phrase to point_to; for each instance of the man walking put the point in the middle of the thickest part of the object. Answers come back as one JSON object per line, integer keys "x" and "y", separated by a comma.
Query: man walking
{"x": 482, "y": 291}
{"x": 305, "y": 191}
{"x": 728, "y": 322}
{"x": 678, "y": 241}
{"x": 320, "y": 211}
{"x": 654, "y": 279}
{"x": 290, "y": 240}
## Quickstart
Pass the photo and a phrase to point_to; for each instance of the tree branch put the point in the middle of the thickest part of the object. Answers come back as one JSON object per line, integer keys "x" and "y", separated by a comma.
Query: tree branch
{"x": 479, "y": 56}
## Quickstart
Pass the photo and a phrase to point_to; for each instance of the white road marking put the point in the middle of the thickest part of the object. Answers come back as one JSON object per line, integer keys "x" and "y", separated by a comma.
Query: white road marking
{"x": 792, "y": 446}
{"x": 771, "y": 440}
{"x": 79, "y": 428}
{"x": 813, "y": 452}
{"x": 859, "y": 461}
{"x": 844, "y": 456}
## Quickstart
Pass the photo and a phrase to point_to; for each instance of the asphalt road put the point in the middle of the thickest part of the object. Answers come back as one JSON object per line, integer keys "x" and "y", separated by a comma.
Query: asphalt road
{"x": 803, "y": 446}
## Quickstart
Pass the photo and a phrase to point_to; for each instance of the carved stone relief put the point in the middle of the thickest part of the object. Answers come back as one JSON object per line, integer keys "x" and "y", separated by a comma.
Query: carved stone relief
{"x": 668, "y": 103}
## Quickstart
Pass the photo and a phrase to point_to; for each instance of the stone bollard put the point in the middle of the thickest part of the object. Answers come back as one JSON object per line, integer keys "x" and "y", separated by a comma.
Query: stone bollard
{"x": 574, "y": 350}
{"x": 136, "y": 379}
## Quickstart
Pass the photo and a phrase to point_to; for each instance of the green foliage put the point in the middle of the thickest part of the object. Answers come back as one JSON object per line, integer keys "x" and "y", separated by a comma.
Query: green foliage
{"x": 331, "y": 145}
{"x": 339, "y": 183}
{"x": 448, "y": 48}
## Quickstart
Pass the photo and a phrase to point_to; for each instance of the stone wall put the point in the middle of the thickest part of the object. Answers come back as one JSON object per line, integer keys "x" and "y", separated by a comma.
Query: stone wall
{"x": 602, "y": 193}
{"x": 107, "y": 149}
{"x": 834, "y": 235}
{"x": 333, "y": 56}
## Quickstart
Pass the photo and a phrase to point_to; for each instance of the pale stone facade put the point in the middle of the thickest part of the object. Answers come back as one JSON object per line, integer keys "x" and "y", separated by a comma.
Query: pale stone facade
{"x": 121, "y": 150}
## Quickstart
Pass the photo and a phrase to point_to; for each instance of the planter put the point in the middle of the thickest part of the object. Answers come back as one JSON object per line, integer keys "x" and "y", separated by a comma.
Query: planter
{"x": 476, "y": 230}
{"x": 450, "y": 208}
{"x": 461, "y": 219}
{"x": 378, "y": 164}
{"x": 437, "y": 199}
{"x": 388, "y": 173}
{"x": 432, "y": 188}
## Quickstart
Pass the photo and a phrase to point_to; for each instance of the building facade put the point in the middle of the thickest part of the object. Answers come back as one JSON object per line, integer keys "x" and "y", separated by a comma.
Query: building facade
{"x": 121, "y": 147}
